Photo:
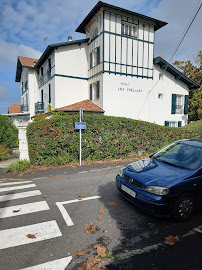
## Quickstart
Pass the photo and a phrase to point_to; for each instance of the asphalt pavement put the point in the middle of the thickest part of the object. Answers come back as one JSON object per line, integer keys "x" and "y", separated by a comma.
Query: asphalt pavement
{"x": 42, "y": 221}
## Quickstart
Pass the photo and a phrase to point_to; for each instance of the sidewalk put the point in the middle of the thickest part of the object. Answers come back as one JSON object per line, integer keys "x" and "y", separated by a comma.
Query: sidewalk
{"x": 4, "y": 164}
{"x": 68, "y": 170}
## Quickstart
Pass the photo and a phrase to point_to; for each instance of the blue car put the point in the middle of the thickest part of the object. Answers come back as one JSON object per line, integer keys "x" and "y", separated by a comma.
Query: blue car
{"x": 168, "y": 183}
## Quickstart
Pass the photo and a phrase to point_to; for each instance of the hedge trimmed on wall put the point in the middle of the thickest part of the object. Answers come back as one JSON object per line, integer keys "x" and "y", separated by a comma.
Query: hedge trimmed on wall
{"x": 54, "y": 141}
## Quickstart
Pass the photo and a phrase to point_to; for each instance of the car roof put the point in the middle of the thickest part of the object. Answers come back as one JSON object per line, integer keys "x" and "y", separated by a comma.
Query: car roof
{"x": 193, "y": 142}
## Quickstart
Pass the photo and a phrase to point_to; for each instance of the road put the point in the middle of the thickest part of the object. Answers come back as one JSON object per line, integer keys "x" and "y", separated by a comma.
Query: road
{"x": 42, "y": 223}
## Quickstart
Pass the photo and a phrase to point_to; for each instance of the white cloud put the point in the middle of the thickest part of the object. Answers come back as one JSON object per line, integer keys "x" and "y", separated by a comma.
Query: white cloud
{"x": 9, "y": 53}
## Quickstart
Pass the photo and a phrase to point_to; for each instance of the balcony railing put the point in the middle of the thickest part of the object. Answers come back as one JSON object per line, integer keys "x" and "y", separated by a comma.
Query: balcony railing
{"x": 39, "y": 107}
{"x": 24, "y": 108}
{"x": 41, "y": 81}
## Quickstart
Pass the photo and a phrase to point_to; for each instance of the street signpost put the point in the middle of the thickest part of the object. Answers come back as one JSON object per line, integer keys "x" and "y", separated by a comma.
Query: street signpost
{"x": 80, "y": 125}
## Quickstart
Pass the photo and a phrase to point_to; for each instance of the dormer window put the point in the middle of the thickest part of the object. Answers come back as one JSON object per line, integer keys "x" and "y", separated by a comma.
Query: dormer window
{"x": 128, "y": 30}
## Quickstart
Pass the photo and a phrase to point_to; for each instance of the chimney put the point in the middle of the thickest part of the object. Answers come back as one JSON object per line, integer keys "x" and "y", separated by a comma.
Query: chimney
{"x": 69, "y": 38}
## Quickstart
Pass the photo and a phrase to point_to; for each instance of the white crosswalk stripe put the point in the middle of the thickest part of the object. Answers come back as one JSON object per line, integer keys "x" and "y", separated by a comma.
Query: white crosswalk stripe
{"x": 23, "y": 209}
{"x": 60, "y": 264}
{"x": 20, "y": 195}
{"x": 20, "y": 236}
{"x": 16, "y": 188}
{"x": 23, "y": 235}
{"x": 14, "y": 183}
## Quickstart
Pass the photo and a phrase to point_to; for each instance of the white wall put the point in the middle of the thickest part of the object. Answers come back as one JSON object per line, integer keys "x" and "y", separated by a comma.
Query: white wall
{"x": 71, "y": 60}
{"x": 33, "y": 90}
{"x": 131, "y": 97}
{"x": 69, "y": 91}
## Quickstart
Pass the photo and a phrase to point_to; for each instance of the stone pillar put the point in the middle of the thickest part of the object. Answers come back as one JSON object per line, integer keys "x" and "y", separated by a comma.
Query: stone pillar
{"x": 23, "y": 144}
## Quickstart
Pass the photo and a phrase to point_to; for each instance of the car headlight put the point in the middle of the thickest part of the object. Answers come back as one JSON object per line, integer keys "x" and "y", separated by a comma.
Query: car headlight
{"x": 157, "y": 190}
{"x": 121, "y": 172}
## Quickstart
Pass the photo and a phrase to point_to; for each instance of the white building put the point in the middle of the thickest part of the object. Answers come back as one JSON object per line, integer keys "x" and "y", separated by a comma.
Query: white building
{"x": 113, "y": 66}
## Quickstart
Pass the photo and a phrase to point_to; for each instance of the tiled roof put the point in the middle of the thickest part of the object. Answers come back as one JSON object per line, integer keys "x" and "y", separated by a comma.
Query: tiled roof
{"x": 14, "y": 108}
{"x": 86, "y": 105}
{"x": 27, "y": 62}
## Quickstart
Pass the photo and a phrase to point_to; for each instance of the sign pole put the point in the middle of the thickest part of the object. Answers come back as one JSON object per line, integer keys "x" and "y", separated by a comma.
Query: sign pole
{"x": 80, "y": 120}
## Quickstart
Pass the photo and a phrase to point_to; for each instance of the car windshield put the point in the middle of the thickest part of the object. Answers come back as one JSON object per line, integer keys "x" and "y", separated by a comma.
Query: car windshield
{"x": 181, "y": 155}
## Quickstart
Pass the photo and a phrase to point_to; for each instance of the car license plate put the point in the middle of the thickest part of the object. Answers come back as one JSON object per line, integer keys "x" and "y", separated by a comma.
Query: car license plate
{"x": 129, "y": 191}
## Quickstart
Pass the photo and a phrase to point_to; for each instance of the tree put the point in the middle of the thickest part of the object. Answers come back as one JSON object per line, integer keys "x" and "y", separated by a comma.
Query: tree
{"x": 194, "y": 72}
{"x": 8, "y": 132}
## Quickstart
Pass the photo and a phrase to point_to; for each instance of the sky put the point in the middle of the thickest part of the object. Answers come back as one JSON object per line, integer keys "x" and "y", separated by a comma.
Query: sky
{"x": 24, "y": 24}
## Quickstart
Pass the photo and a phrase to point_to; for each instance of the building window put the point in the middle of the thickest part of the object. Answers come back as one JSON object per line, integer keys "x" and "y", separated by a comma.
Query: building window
{"x": 98, "y": 55}
{"x": 91, "y": 92}
{"x": 49, "y": 63}
{"x": 41, "y": 71}
{"x": 98, "y": 89}
{"x": 91, "y": 60}
{"x": 49, "y": 94}
{"x": 178, "y": 106}
{"x": 128, "y": 30}
{"x": 41, "y": 95}
{"x": 173, "y": 123}
{"x": 22, "y": 87}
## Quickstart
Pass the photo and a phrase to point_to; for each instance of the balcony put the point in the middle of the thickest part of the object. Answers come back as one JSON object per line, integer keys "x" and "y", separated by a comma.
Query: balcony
{"x": 39, "y": 107}
{"x": 41, "y": 81}
{"x": 24, "y": 108}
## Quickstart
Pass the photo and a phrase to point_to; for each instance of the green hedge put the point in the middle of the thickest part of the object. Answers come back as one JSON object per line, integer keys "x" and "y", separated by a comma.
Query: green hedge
{"x": 54, "y": 141}
{"x": 8, "y": 132}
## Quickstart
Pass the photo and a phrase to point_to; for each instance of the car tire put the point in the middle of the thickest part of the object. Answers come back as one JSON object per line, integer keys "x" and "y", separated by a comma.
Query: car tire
{"x": 184, "y": 207}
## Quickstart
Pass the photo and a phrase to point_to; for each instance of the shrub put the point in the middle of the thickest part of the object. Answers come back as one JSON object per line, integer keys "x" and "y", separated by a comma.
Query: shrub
{"x": 54, "y": 141}
{"x": 8, "y": 132}
{"x": 5, "y": 152}
{"x": 18, "y": 166}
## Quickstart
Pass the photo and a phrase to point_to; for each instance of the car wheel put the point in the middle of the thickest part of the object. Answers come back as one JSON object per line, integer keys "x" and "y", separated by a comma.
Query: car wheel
{"x": 184, "y": 207}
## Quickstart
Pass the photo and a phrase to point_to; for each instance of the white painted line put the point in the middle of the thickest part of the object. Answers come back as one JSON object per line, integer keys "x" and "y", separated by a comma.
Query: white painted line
{"x": 23, "y": 209}
{"x": 39, "y": 178}
{"x": 65, "y": 215}
{"x": 18, "y": 236}
{"x": 15, "y": 183}
{"x": 60, "y": 264}
{"x": 18, "y": 187}
{"x": 20, "y": 195}
{"x": 84, "y": 199}
{"x": 198, "y": 230}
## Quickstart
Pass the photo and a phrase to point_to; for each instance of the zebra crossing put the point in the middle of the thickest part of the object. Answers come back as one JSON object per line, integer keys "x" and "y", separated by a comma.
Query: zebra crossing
{"x": 11, "y": 192}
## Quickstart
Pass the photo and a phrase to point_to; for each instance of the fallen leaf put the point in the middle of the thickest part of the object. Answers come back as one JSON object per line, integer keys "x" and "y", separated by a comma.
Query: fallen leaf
{"x": 113, "y": 204}
{"x": 99, "y": 217}
{"x": 101, "y": 250}
{"x": 171, "y": 240}
{"x": 16, "y": 211}
{"x": 79, "y": 253}
{"x": 53, "y": 176}
{"x": 31, "y": 235}
{"x": 45, "y": 196}
{"x": 80, "y": 197}
{"x": 101, "y": 210}
{"x": 91, "y": 263}
{"x": 90, "y": 228}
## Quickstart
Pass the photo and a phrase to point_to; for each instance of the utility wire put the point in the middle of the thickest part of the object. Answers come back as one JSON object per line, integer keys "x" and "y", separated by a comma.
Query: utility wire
{"x": 185, "y": 33}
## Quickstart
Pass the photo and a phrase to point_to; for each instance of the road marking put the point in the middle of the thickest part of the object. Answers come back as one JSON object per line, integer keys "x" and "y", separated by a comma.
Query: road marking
{"x": 18, "y": 187}
{"x": 15, "y": 183}
{"x": 39, "y": 178}
{"x": 18, "y": 236}
{"x": 64, "y": 213}
{"x": 20, "y": 195}
{"x": 23, "y": 209}
{"x": 60, "y": 264}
